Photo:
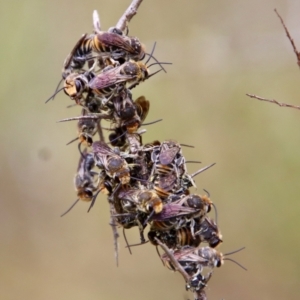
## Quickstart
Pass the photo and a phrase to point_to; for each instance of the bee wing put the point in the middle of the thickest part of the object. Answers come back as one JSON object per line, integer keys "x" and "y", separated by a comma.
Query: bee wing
{"x": 129, "y": 195}
{"x": 101, "y": 148}
{"x": 81, "y": 163}
{"x": 211, "y": 223}
{"x": 167, "y": 182}
{"x": 143, "y": 107}
{"x": 171, "y": 210}
{"x": 167, "y": 156}
{"x": 107, "y": 79}
{"x": 69, "y": 58}
{"x": 115, "y": 40}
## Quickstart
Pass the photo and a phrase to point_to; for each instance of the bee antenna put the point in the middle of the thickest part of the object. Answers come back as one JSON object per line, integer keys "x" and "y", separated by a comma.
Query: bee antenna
{"x": 152, "y": 122}
{"x": 71, "y": 105}
{"x": 159, "y": 63}
{"x": 93, "y": 200}
{"x": 154, "y": 73}
{"x": 117, "y": 137}
{"x": 133, "y": 245}
{"x": 151, "y": 54}
{"x": 238, "y": 250}
{"x": 70, "y": 208}
{"x": 216, "y": 213}
{"x": 159, "y": 255}
{"x": 236, "y": 263}
{"x": 125, "y": 238}
{"x": 202, "y": 170}
{"x": 149, "y": 217}
{"x": 55, "y": 93}
{"x": 79, "y": 149}
{"x": 207, "y": 192}
{"x": 72, "y": 141}
{"x": 193, "y": 161}
{"x": 185, "y": 145}
{"x": 85, "y": 117}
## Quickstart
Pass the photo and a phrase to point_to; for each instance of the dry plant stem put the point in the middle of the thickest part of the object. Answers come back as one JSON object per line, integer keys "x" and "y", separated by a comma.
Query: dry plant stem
{"x": 201, "y": 295}
{"x": 198, "y": 295}
{"x": 100, "y": 131}
{"x": 175, "y": 263}
{"x": 290, "y": 38}
{"x": 122, "y": 24}
{"x": 115, "y": 232}
{"x": 273, "y": 101}
{"x": 128, "y": 14}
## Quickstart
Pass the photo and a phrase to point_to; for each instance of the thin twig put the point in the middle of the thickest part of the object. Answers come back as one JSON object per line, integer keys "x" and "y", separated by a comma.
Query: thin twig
{"x": 200, "y": 295}
{"x": 115, "y": 232}
{"x": 128, "y": 14}
{"x": 290, "y": 38}
{"x": 174, "y": 261}
{"x": 100, "y": 131}
{"x": 273, "y": 101}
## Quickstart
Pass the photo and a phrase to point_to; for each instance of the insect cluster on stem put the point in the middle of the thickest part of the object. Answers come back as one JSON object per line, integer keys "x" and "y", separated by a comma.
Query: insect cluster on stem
{"x": 147, "y": 185}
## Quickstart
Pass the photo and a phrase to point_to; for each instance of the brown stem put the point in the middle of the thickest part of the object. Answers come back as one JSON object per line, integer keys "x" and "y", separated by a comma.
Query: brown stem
{"x": 128, "y": 14}
{"x": 290, "y": 38}
{"x": 174, "y": 261}
{"x": 115, "y": 232}
{"x": 273, "y": 101}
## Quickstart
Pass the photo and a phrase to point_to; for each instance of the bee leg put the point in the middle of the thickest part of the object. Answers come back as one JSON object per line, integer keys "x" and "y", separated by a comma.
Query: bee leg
{"x": 192, "y": 225}
{"x": 141, "y": 229}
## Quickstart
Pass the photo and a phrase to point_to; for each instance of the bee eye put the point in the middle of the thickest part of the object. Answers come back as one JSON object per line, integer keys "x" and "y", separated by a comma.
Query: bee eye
{"x": 149, "y": 208}
{"x": 128, "y": 112}
{"x": 214, "y": 242}
{"x": 88, "y": 194}
{"x": 77, "y": 85}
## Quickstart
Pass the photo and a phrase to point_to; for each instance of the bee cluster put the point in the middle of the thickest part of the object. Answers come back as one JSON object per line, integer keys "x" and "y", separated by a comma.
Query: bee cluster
{"x": 146, "y": 184}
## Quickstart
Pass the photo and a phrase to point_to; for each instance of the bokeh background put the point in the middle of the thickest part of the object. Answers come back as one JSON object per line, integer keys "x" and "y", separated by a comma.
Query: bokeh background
{"x": 220, "y": 50}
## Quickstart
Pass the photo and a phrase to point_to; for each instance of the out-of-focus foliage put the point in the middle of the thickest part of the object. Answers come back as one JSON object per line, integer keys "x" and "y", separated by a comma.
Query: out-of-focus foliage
{"x": 220, "y": 50}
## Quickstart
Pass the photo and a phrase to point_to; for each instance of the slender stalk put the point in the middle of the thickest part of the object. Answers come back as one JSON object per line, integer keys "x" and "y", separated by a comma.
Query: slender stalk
{"x": 289, "y": 37}
{"x": 128, "y": 14}
{"x": 273, "y": 101}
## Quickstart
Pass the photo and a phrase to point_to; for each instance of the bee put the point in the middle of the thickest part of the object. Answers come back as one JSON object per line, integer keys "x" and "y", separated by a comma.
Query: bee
{"x": 129, "y": 114}
{"x": 111, "y": 80}
{"x": 87, "y": 128}
{"x": 84, "y": 180}
{"x": 194, "y": 260}
{"x": 135, "y": 208}
{"x": 143, "y": 200}
{"x": 208, "y": 231}
{"x": 203, "y": 203}
{"x": 165, "y": 182}
{"x": 168, "y": 152}
{"x": 142, "y": 107}
{"x": 173, "y": 215}
{"x": 168, "y": 168}
{"x": 114, "y": 165}
{"x": 189, "y": 262}
{"x": 112, "y": 44}
{"x": 174, "y": 238}
{"x": 76, "y": 84}
{"x": 198, "y": 282}
{"x": 211, "y": 258}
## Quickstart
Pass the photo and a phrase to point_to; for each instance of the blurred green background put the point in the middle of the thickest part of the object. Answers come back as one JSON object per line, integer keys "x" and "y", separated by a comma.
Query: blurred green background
{"x": 220, "y": 50}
